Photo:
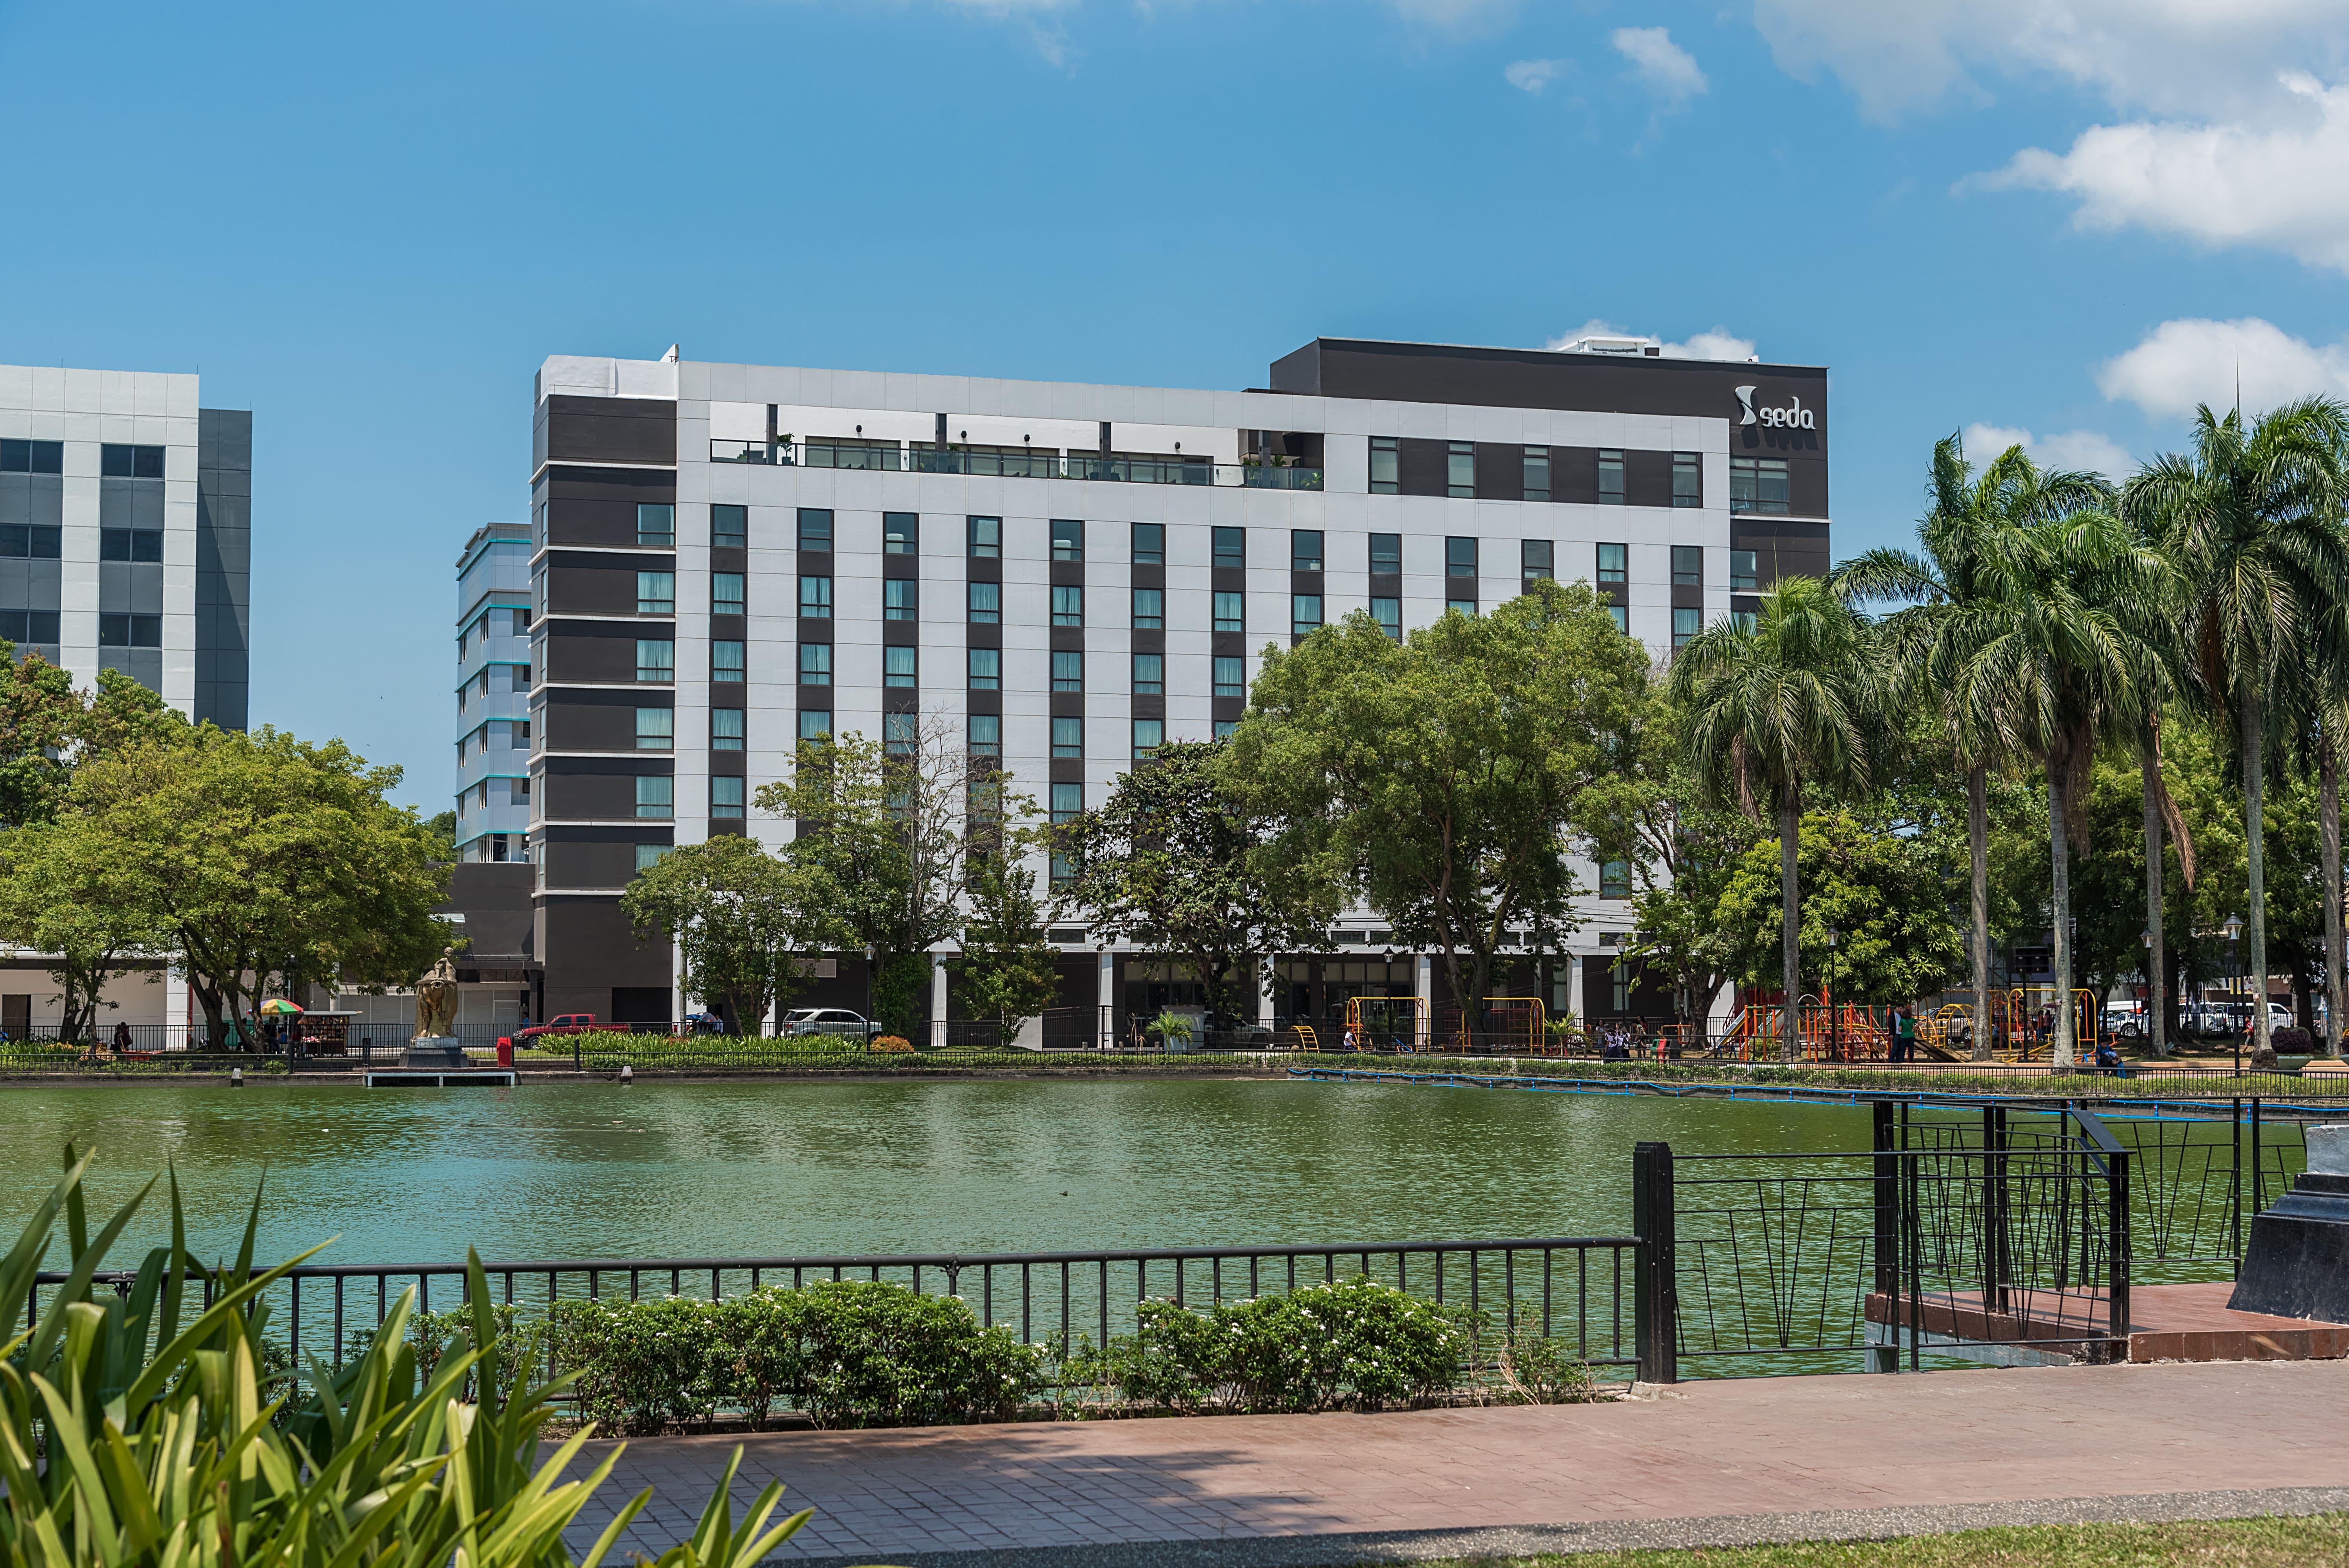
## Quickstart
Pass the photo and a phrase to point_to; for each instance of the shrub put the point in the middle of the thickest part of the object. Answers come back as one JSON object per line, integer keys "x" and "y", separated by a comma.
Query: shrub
{"x": 878, "y": 1354}
{"x": 2291, "y": 1042}
{"x": 891, "y": 1045}
{"x": 642, "y": 1366}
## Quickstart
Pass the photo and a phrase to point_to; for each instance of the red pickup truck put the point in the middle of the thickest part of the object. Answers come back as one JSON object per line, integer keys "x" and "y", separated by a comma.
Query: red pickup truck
{"x": 561, "y": 1024}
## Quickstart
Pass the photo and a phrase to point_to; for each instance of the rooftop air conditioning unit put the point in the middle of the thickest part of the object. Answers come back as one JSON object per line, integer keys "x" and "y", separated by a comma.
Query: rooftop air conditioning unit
{"x": 1629, "y": 348}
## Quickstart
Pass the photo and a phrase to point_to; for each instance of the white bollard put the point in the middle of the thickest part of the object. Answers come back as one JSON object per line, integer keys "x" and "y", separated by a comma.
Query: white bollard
{"x": 628, "y": 1075}
{"x": 236, "y": 1078}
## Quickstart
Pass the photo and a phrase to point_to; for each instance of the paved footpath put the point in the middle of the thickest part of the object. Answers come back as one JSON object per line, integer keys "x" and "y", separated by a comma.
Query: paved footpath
{"x": 1706, "y": 1463}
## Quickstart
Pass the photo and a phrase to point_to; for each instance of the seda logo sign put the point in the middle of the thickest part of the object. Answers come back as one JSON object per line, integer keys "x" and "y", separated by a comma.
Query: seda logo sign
{"x": 1794, "y": 417}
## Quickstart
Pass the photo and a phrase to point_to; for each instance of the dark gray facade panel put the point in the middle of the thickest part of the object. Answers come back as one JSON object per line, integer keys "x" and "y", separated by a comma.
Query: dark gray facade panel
{"x": 224, "y": 566}
{"x": 592, "y": 952}
{"x": 33, "y": 498}
{"x": 1646, "y": 479}
{"x": 144, "y": 665}
{"x": 136, "y": 586}
{"x": 610, "y": 429}
{"x": 1780, "y": 549}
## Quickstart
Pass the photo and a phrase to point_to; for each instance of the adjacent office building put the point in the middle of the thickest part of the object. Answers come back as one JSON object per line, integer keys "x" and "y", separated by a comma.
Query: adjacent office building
{"x": 727, "y": 558}
{"x": 493, "y": 796}
{"x": 126, "y": 532}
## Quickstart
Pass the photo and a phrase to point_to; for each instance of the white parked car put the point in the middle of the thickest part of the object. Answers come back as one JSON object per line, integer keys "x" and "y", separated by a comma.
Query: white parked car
{"x": 837, "y": 1021}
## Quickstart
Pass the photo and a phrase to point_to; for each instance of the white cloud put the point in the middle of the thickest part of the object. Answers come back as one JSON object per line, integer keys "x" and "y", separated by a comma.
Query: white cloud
{"x": 2071, "y": 450}
{"x": 1660, "y": 66}
{"x": 2206, "y": 57}
{"x": 1532, "y": 75}
{"x": 2284, "y": 186}
{"x": 2183, "y": 363}
{"x": 1718, "y": 343}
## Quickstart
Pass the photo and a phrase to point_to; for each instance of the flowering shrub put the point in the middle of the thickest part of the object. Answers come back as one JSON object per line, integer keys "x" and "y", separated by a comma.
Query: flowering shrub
{"x": 848, "y": 1353}
{"x": 892, "y": 1045}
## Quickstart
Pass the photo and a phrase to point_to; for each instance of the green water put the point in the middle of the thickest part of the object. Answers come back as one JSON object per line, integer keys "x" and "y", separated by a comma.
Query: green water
{"x": 773, "y": 1169}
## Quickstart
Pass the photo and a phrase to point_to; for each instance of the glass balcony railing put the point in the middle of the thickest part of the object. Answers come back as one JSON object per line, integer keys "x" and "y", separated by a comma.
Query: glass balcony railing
{"x": 1013, "y": 463}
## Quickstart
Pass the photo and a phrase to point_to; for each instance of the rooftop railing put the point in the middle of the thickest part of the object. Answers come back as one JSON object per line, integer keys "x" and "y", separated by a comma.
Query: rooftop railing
{"x": 1118, "y": 468}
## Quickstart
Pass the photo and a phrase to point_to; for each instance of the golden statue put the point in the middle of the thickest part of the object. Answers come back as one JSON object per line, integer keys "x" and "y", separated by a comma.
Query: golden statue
{"x": 436, "y": 999}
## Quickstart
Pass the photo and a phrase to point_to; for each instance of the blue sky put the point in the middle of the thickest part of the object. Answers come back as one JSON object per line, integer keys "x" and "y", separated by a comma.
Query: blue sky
{"x": 369, "y": 225}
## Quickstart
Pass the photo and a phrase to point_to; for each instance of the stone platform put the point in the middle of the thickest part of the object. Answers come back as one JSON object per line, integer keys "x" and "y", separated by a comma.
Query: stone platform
{"x": 2167, "y": 1323}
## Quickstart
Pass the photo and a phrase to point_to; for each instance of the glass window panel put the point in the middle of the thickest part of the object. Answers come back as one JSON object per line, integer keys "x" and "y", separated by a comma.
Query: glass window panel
{"x": 1305, "y": 550}
{"x": 1610, "y": 479}
{"x": 1536, "y": 473}
{"x": 725, "y": 795}
{"x": 1539, "y": 558}
{"x": 655, "y": 660}
{"x": 815, "y": 664}
{"x": 815, "y": 528}
{"x": 1688, "y": 480}
{"x": 1231, "y": 611}
{"x": 656, "y": 592}
{"x": 1464, "y": 606}
{"x": 730, "y": 526}
{"x": 1386, "y": 464}
{"x": 1460, "y": 468}
{"x": 815, "y": 723}
{"x": 1386, "y": 553}
{"x": 1231, "y": 548}
{"x": 1744, "y": 571}
{"x": 1068, "y": 670}
{"x": 654, "y": 796}
{"x": 648, "y": 855}
{"x": 1621, "y": 616}
{"x": 1460, "y": 558}
{"x": 727, "y": 659}
{"x": 901, "y": 533}
{"x": 987, "y": 739}
{"x": 1688, "y": 566}
{"x": 1686, "y": 624}
{"x": 986, "y": 538}
{"x": 985, "y": 603}
{"x": 1150, "y": 544}
{"x": 655, "y": 728}
{"x": 726, "y": 593}
{"x": 1149, "y": 609}
{"x": 1388, "y": 613}
{"x": 1149, "y": 735}
{"x": 656, "y": 524}
{"x": 1068, "y": 737}
{"x": 1067, "y": 540}
{"x": 726, "y": 729}
{"x": 1224, "y": 728}
{"x": 1068, "y": 801}
{"x": 1613, "y": 564}
{"x": 900, "y": 599}
{"x": 815, "y": 597}
{"x": 985, "y": 665}
{"x": 1149, "y": 675}
{"x": 1304, "y": 614}
{"x": 1231, "y": 675}
{"x": 897, "y": 667}
{"x": 901, "y": 734}
{"x": 1068, "y": 605}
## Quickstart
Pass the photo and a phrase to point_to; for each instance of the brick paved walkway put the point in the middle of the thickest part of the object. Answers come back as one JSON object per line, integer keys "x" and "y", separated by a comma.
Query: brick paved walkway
{"x": 1765, "y": 1458}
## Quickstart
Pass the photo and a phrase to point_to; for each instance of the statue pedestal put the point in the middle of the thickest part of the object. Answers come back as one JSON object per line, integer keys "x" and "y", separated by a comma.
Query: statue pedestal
{"x": 2296, "y": 1260}
{"x": 435, "y": 1051}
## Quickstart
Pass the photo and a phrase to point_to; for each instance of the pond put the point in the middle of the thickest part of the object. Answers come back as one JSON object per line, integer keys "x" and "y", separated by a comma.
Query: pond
{"x": 595, "y": 1170}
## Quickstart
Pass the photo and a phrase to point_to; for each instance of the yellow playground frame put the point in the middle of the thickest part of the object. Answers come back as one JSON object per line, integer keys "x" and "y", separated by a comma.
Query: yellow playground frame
{"x": 1356, "y": 1025}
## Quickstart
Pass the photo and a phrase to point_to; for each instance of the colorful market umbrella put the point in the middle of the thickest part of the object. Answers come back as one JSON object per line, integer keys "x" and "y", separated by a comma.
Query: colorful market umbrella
{"x": 279, "y": 1004}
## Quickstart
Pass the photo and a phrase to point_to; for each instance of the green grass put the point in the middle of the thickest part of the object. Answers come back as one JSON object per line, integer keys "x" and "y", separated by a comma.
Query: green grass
{"x": 2201, "y": 1543}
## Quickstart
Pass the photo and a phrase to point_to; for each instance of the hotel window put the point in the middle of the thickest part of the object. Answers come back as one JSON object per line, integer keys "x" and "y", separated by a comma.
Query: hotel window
{"x": 1686, "y": 624}
{"x": 1149, "y": 735}
{"x": 1231, "y": 548}
{"x": 1688, "y": 566}
{"x": 726, "y": 660}
{"x": 730, "y": 527}
{"x": 1068, "y": 605}
{"x": 1460, "y": 558}
{"x": 1231, "y": 675}
{"x": 1305, "y": 550}
{"x": 1536, "y": 473}
{"x": 144, "y": 632}
{"x": 985, "y": 669}
{"x": 901, "y": 533}
{"x": 656, "y": 524}
{"x": 32, "y": 456}
{"x": 1068, "y": 738}
{"x": 1304, "y": 614}
{"x": 1068, "y": 805}
{"x": 1149, "y": 609}
{"x": 1386, "y": 554}
{"x": 655, "y": 660}
{"x": 1688, "y": 480}
{"x": 1745, "y": 621}
{"x": 815, "y": 528}
{"x": 1225, "y": 726}
{"x": 1613, "y": 569}
{"x": 986, "y": 538}
{"x": 1610, "y": 479}
{"x": 648, "y": 855}
{"x": 897, "y": 667}
{"x": 726, "y": 593}
{"x": 1615, "y": 880}
{"x": 1621, "y": 618}
{"x": 1068, "y": 670}
{"x": 725, "y": 795}
{"x": 130, "y": 462}
{"x": 1231, "y": 611}
{"x": 815, "y": 723}
{"x": 655, "y": 796}
{"x": 656, "y": 592}
{"x": 1150, "y": 544}
{"x": 1150, "y": 675}
{"x": 1744, "y": 571}
{"x": 901, "y": 735}
{"x": 147, "y": 544}
{"x": 725, "y": 729}
{"x": 1618, "y": 984}
{"x": 900, "y": 599}
{"x": 1759, "y": 484}
{"x": 985, "y": 603}
{"x": 1067, "y": 540}
{"x": 1460, "y": 469}
{"x": 1388, "y": 614}
{"x": 43, "y": 543}
{"x": 815, "y": 664}
{"x": 986, "y": 741}
{"x": 1386, "y": 464}
{"x": 1537, "y": 558}
{"x": 815, "y": 598}
{"x": 655, "y": 728}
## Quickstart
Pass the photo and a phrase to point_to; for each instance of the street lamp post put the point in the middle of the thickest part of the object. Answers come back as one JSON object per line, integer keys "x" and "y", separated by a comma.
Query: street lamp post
{"x": 2234, "y": 930}
{"x": 2152, "y": 1024}
{"x": 1834, "y": 1019}
{"x": 869, "y": 956}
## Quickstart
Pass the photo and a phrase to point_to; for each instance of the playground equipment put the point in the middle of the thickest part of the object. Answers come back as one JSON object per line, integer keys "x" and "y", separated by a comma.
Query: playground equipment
{"x": 2027, "y": 1033}
{"x": 1825, "y": 1031}
{"x": 1380, "y": 1023}
{"x": 1296, "y": 1037}
{"x": 1509, "y": 1025}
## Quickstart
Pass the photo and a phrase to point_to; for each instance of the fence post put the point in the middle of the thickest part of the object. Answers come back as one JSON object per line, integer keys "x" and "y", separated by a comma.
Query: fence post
{"x": 1997, "y": 1258}
{"x": 1655, "y": 1299}
{"x": 2116, "y": 1247}
{"x": 1885, "y": 1358}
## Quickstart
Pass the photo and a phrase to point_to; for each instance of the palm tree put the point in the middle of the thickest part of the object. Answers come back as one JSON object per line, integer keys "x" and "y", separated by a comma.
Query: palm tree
{"x": 2068, "y": 654}
{"x": 2251, "y": 520}
{"x": 1953, "y": 587}
{"x": 1792, "y": 699}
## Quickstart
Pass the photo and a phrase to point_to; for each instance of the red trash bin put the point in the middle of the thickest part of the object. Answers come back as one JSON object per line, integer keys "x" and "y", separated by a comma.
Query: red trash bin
{"x": 505, "y": 1050}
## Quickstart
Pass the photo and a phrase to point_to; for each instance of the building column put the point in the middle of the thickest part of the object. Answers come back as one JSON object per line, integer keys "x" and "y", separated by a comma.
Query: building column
{"x": 1265, "y": 988}
{"x": 177, "y": 1000}
{"x": 1573, "y": 987}
{"x": 1104, "y": 1000}
{"x": 938, "y": 1001}
{"x": 1424, "y": 987}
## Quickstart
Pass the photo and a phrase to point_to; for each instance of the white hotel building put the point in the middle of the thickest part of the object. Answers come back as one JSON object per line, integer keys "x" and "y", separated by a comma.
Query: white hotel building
{"x": 725, "y": 557}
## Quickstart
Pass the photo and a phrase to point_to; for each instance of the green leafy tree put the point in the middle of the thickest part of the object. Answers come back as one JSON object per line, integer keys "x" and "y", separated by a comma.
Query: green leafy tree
{"x": 1442, "y": 779}
{"x": 68, "y": 891}
{"x": 744, "y": 922}
{"x": 1884, "y": 895}
{"x": 1006, "y": 969}
{"x": 444, "y": 828}
{"x": 260, "y": 857}
{"x": 1795, "y": 701}
{"x": 886, "y": 827}
{"x": 2251, "y": 518}
{"x": 1173, "y": 860}
{"x": 48, "y": 726}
